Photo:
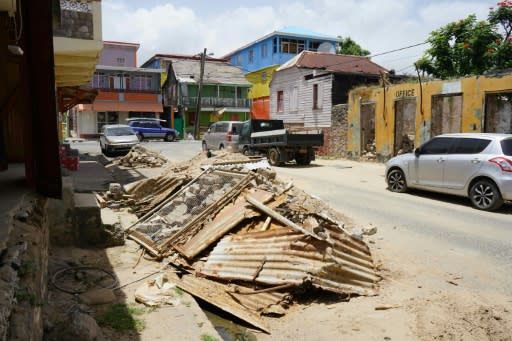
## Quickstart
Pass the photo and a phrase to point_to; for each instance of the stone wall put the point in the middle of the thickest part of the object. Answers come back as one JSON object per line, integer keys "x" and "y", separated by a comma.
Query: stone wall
{"x": 74, "y": 24}
{"x": 336, "y": 138}
{"x": 24, "y": 273}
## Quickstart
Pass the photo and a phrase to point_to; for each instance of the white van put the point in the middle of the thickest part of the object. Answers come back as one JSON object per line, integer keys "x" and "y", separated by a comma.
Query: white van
{"x": 222, "y": 135}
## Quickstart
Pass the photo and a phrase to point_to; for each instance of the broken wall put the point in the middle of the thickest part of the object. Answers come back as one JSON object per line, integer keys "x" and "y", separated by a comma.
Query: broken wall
{"x": 462, "y": 106}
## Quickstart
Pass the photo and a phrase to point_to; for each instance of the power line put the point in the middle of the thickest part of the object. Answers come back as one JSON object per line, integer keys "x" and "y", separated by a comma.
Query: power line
{"x": 396, "y": 50}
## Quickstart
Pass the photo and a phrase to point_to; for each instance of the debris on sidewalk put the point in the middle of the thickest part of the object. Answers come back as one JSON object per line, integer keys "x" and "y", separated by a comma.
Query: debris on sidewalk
{"x": 245, "y": 241}
{"x": 139, "y": 157}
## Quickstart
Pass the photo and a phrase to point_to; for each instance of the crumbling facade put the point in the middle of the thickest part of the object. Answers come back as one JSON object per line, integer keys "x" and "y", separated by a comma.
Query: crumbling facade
{"x": 400, "y": 117}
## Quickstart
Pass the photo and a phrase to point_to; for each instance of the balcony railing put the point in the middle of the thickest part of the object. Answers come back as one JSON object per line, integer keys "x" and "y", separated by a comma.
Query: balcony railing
{"x": 216, "y": 102}
{"x": 74, "y": 19}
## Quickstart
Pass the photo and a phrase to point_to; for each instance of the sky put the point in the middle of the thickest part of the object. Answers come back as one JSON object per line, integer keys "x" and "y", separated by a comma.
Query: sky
{"x": 221, "y": 26}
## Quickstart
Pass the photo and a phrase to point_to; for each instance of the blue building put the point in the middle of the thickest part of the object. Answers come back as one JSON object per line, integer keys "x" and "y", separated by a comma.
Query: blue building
{"x": 280, "y": 46}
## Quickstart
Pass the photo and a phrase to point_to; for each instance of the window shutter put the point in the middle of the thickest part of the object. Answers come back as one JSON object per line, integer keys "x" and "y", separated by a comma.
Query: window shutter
{"x": 320, "y": 95}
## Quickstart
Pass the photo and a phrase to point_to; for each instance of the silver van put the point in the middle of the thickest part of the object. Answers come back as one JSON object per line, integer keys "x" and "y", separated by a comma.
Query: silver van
{"x": 222, "y": 135}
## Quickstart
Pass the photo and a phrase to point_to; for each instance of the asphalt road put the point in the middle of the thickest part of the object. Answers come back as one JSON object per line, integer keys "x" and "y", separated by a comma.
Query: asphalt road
{"x": 438, "y": 232}
{"x": 429, "y": 237}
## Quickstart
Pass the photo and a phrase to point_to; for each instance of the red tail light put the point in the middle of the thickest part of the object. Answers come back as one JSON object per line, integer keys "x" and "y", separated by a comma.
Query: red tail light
{"x": 229, "y": 137}
{"x": 504, "y": 163}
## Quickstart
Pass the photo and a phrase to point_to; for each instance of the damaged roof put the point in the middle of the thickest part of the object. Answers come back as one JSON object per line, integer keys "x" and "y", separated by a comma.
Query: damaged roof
{"x": 334, "y": 62}
{"x": 215, "y": 72}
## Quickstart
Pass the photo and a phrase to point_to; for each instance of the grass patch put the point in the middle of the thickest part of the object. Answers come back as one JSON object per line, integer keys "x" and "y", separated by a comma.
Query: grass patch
{"x": 206, "y": 337}
{"x": 122, "y": 317}
{"x": 178, "y": 291}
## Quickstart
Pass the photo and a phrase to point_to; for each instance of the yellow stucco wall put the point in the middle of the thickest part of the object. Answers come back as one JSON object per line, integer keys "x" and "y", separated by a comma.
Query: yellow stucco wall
{"x": 260, "y": 84}
{"x": 473, "y": 91}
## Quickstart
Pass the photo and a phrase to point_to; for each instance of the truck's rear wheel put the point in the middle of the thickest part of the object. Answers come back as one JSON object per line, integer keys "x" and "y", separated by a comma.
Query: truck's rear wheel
{"x": 302, "y": 159}
{"x": 273, "y": 157}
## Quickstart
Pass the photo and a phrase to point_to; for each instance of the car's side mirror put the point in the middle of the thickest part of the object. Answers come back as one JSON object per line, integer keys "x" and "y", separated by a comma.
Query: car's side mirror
{"x": 209, "y": 130}
{"x": 417, "y": 152}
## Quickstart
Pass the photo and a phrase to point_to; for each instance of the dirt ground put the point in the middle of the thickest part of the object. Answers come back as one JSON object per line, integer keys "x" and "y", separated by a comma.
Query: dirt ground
{"x": 415, "y": 302}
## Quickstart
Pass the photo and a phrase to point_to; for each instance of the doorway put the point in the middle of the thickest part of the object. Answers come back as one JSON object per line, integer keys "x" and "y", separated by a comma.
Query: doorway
{"x": 367, "y": 124}
{"x": 498, "y": 113}
{"x": 446, "y": 114}
{"x": 405, "y": 125}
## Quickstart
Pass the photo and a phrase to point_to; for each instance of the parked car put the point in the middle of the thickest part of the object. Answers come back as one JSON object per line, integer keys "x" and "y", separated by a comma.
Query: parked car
{"x": 148, "y": 128}
{"x": 477, "y": 166}
{"x": 117, "y": 138}
{"x": 222, "y": 135}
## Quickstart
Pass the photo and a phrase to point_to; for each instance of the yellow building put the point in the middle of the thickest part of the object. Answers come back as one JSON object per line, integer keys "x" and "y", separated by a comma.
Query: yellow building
{"x": 397, "y": 118}
{"x": 260, "y": 91}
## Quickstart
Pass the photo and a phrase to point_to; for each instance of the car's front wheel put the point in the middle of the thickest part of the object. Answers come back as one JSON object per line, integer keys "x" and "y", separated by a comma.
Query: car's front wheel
{"x": 484, "y": 195}
{"x": 140, "y": 136}
{"x": 396, "y": 181}
{"x": 169, "y": 137}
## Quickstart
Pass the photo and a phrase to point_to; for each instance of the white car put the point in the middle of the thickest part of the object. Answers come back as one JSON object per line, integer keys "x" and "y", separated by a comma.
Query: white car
{"x": 117, "y": 138}
{"x": 473, "y": 165}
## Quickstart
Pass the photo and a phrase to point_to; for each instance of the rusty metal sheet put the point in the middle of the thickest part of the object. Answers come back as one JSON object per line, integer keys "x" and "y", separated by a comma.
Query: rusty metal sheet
{"x": 340, "y": 263}
{"x": 189, "y": 209}
{"x": 228, "y": 218}
{"x": 245, "y": 307}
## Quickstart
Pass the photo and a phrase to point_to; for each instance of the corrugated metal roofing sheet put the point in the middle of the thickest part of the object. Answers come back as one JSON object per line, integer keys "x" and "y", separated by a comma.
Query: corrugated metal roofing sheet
{"x": 334, "y": 63}
{"x": 214, "y": 72}
{"x": 247, "y": 307}
{"x": 340, "y": 263}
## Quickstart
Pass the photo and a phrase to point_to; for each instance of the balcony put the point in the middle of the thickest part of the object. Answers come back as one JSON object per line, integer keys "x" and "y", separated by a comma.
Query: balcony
{"x": 77, "y": 41}
{"x": 216, "y": 102}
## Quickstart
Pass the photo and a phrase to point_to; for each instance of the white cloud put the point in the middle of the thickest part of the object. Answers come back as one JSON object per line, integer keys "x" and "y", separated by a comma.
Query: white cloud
{"x": 377, "y": 25}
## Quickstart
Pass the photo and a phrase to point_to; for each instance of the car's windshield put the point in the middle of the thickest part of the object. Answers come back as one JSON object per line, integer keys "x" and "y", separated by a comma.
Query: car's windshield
{"x": 506, "y": 146}
{"x": 119, "y": 131}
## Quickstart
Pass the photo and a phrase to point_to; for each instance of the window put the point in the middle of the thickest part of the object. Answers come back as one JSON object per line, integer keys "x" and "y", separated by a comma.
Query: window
{"x": 275, "y": 45}
{"x": 315, "y": 96}
{"x": 239, "y": 60}
{"x": 294, "y": 99}
{"x": 251, "y": 56}
{"x": 280, "y": 101}
{"x": 264, "y": 51}
{"x": 120, "y": 61}
{"x": 103, "y": 118}
{"x": 506, "y": 146}
{"x": 293, "y": 46}
{"x": 313, "y": 45}
{"x": 438, "y": 145}
{"x": 469, "y": 146}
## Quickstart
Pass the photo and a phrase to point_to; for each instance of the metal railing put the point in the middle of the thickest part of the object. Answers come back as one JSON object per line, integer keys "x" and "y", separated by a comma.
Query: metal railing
{"x": 217, "y": 102}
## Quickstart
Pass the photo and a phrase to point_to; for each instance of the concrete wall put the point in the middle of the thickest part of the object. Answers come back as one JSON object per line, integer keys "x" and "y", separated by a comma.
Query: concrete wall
{"x": 474, "y": 90}
{"x": 110, "y": 54}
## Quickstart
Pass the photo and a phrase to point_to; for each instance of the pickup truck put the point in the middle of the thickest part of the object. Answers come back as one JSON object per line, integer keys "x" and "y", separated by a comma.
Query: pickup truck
{"x": 270, "y": 138}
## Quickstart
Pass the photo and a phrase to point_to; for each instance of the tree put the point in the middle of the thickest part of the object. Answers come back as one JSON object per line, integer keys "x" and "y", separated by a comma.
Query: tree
{"x": 470, "y": 47}
{"x": 349, "y": 46}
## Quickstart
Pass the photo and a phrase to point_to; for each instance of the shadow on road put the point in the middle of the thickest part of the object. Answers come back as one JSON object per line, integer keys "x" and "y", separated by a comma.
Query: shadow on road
{"x": 453, "y": 199}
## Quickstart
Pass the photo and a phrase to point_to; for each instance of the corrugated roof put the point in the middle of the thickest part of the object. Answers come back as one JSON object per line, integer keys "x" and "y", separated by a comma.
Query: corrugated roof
{"x": 334, "y": 63}
{"x": 214, "y": 72}
{"x": 340, "y": 263}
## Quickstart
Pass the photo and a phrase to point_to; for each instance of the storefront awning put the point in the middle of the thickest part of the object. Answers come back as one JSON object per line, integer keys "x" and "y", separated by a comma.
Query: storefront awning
{"x": 122, "y": 106}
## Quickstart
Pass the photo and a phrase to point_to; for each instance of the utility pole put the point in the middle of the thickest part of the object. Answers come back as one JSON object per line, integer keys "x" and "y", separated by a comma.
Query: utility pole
{"x": 198, "y": 105}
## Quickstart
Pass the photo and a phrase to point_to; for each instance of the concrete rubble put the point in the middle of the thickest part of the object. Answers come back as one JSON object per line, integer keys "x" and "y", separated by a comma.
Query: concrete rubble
{"x": 139, "y": 156}
{"x": 244, "y": 241}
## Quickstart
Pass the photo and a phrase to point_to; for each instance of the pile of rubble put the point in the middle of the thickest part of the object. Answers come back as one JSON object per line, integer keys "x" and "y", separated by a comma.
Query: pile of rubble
{"x": 246, "y": 242}
{"x": 139, "y": 157}
{"x": 370, "y": 151}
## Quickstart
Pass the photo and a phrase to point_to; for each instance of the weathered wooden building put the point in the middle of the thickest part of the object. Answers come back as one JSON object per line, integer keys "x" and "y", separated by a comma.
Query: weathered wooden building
{"x": 304, "y": 90}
